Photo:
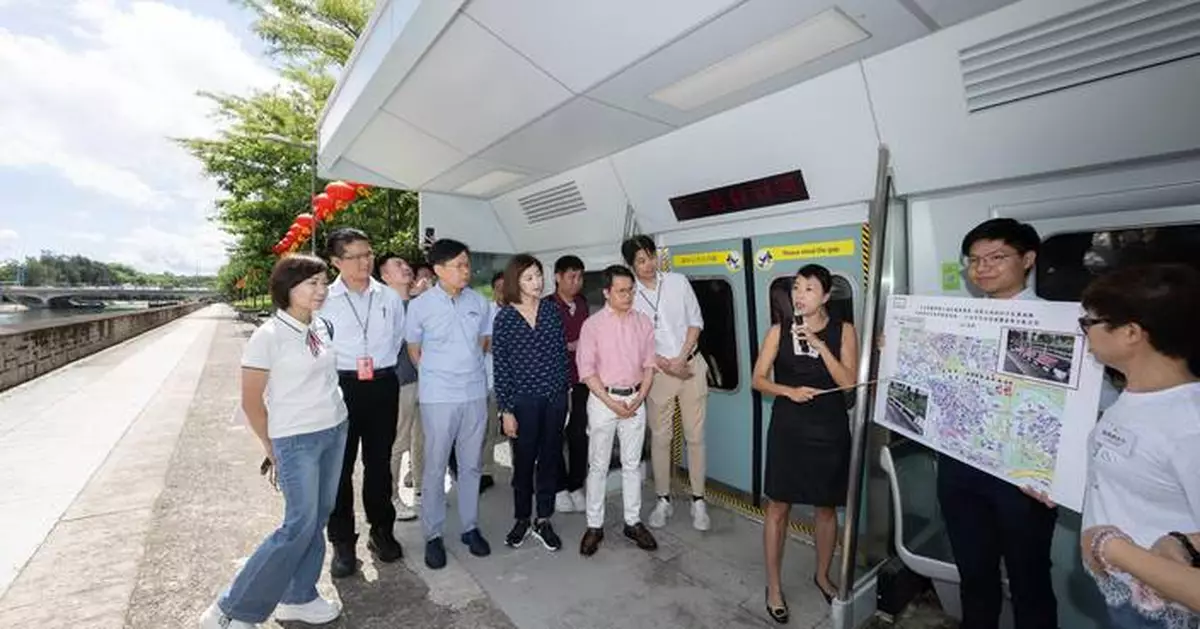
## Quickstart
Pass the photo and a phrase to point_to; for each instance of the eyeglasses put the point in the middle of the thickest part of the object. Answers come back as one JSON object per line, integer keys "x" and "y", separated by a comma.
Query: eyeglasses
{"x": 359, "y": 257}
{"x": 1087, "y": 322}
{"x": 990, "y": 260}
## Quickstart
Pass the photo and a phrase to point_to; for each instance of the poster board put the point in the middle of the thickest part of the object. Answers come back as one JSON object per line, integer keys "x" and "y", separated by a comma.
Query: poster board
{"x": 1006, "y": 386}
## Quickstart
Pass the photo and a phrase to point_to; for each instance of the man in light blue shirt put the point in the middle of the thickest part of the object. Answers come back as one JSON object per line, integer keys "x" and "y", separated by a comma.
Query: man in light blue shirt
{"x": 448, "y": 332}
{"x": 367, "y": 319}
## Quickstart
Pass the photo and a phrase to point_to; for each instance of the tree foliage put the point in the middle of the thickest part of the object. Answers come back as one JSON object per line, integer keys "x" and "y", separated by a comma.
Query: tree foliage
{"x": 262, "y": 159}
{"x": 50, "y": 269}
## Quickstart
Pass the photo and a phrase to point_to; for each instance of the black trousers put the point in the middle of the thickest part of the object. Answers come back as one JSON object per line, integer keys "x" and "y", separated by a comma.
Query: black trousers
{"x": 537, "y": 451}
{"x": 373, "y": 406}
{"x": 572, "y": 472}
{"x": 988, "y": 520}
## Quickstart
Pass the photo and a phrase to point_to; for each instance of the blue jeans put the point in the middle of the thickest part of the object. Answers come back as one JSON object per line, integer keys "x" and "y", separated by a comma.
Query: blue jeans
{"x": 1126, "y": 617}
{"x": 537, "y": 451}
{"x": 287, "y": 564}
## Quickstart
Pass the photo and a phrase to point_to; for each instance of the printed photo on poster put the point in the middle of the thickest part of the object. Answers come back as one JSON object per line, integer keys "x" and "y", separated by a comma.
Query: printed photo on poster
{"x": 1043, "y": 355}
{"x": 907, "y": 407}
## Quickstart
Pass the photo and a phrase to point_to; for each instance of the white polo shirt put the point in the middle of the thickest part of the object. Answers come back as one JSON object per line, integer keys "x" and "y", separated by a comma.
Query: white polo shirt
{"x": 1144, "y": 472}
{"x": 673, "y": 308}
{"x": 367, "y": 323}
{"x": 302, "y": 389}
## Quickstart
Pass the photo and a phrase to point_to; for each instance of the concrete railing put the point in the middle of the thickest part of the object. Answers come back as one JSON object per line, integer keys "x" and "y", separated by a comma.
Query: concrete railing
{"x": 38, "y": 349}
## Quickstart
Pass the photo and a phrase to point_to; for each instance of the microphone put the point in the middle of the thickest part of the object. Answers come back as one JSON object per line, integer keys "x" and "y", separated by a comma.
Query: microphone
{"x": 798, "y": 322}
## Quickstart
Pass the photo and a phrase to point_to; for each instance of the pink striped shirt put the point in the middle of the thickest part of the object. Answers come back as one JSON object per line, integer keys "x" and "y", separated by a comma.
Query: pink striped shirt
{"x": 618, "y": 348}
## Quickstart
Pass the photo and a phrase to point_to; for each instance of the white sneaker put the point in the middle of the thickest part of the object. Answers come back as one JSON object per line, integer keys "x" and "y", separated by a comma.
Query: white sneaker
{"x": 214, "y": 618}
{"x": 563, "y": 502}
{"x": 662, "y": 511}
{"x": 580, "y": 500}
{"x": 315, "y": 612}
{"x": 417, "y": 500}
{"x": 404, "y": 513}
{"x": 700, "y": 520}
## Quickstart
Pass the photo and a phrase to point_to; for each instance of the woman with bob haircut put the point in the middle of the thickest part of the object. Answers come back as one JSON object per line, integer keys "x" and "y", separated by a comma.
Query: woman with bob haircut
{"x": 292, "y": 402}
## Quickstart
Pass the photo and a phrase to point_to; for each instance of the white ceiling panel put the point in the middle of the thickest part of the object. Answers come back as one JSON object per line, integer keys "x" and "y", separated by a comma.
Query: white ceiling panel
{"x": 888, "y": 23}
{"x": 590, "y": 41}
{"x": 397, "y": 150}
{"x": 949, "y": 12}
{"x": 577, "y": 133}
{"x": 473, "y": 169}
{"x": 471, "y": 89}
{"x": 349, "y": 171}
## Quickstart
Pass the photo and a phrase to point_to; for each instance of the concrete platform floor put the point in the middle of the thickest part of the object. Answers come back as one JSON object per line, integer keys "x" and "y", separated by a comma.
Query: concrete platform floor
{"x": 132, "y": 497}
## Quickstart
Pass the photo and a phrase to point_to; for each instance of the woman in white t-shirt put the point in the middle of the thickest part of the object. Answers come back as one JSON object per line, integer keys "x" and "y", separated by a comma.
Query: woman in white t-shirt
{"x": 1144, "y": 470}
{"x": 293, "y": 404}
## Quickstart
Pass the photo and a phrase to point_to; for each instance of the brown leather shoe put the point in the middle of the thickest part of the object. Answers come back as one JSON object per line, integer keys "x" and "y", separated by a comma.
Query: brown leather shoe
{"x": 640, "y": 535}
{"x": 591, "y": 542}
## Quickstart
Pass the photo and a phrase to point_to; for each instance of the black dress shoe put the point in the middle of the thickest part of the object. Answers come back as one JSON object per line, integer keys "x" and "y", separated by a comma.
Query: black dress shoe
{"x": 435, "y": 554}
{"x": 640, "y": 535}
{"x": 476, "y": 544}
{"x": 384, "y": 547}
{"x": 344, "y": 562}
{"x": 591, "y": 542}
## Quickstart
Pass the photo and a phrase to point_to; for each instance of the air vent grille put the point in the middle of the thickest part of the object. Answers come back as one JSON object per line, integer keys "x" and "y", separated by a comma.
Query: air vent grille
{"x": 1101, "y": 41}
{"x": 561, "y": 200}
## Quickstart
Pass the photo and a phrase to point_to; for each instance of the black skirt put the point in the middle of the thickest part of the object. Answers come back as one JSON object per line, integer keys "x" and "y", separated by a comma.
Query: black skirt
{"x": 808, "y": 452}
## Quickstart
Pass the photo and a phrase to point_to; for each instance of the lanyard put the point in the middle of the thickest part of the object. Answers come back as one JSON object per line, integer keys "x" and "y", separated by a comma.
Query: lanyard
{"x": 361, "y": 324}
{"x": 657, "y": 298}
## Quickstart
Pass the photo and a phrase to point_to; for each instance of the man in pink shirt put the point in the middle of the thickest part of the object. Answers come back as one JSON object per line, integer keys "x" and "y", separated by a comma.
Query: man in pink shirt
{"x": 616, "y": 361}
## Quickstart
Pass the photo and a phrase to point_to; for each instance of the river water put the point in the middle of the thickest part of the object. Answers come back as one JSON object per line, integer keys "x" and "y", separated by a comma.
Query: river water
{"x": 14, "y": 317}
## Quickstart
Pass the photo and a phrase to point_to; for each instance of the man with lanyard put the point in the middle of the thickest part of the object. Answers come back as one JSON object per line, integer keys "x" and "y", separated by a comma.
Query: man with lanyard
{"x": 682, "y": 375}
{"x": 368, "y": 323}
{"x": 448, "y": 333}
{"x": 988, "y": 519}
{"x": 568, "y": 285}
{"x": 398, "y": 275}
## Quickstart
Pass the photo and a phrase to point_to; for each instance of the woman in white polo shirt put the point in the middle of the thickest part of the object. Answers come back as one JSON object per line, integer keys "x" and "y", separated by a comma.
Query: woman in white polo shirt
{"x": 291, "y": 398}
{"x": 1144, "y": 472}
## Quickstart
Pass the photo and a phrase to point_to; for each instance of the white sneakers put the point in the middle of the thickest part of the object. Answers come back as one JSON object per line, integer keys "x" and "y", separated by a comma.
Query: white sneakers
{"x": 315, "y": 612}
{"x": 700, "y": 520}
{"x": 663, "y": 510}
{"x": 570, "y": 502}
{"x": 404, "y": 513}
{"x": 214, "y": 618}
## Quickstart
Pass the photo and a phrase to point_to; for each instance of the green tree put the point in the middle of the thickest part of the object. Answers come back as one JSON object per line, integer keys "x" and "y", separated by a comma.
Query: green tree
{"x": 264, "y": 182}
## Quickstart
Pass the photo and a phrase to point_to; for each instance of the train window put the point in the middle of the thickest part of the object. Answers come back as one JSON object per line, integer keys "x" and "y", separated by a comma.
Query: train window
{"x": 1068, "y": 262}
{"x": 840, "y": 306}
{"x": 718, "y": 345}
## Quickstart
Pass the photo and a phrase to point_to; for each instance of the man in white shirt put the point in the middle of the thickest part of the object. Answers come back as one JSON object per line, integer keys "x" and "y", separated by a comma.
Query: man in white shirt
{"x": 681, "y": 376}
{"x": 368, "y": 324}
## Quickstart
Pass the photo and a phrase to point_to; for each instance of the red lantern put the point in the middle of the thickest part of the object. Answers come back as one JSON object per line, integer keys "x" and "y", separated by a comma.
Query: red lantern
{"x": 305, "y": 221}
{"x": 322, "y": 206}
{"x": 340, "y": 192}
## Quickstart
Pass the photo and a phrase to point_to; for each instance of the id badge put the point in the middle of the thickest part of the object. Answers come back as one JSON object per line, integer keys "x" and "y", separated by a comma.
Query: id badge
{"x": 366, "y": 368}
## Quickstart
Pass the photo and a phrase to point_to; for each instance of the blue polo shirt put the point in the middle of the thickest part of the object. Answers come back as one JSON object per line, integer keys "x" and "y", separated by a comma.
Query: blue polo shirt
{"x": 450, "y": 333}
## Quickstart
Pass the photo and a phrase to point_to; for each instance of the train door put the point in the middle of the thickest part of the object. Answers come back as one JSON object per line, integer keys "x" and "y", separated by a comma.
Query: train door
{"x": 777, "y": 257}
{"x": 717, "y": 272}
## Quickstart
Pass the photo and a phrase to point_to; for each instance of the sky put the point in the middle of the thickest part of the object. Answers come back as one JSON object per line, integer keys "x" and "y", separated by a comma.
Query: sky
{"x": 91, "y": 93}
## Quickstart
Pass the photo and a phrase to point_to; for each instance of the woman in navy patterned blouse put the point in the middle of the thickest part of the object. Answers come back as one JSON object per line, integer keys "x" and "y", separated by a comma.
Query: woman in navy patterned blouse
{"x": 529, "y": 354}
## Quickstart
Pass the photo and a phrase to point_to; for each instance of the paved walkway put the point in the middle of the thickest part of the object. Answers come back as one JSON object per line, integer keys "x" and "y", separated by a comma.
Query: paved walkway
{"x": 138, "y": 496}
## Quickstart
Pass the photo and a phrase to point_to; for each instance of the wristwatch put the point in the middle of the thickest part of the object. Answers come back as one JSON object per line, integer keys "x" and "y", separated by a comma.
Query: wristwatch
{"x": 1187, "y": 546}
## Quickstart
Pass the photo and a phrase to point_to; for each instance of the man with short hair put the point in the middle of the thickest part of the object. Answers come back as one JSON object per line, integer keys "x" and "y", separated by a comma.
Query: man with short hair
{"x": 398, "y": 275}
{"x": 448, "y": 333}
{"x": 682, "y": 376}
{"x": 573, "y": 307}
{"x": 988, "y": 519}
{"x": 368, "y": 321}
{"x": 616, "y": 360}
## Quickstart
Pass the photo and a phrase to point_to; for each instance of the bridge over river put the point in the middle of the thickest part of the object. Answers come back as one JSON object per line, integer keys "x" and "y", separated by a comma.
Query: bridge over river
{"x": 63, "y": 296}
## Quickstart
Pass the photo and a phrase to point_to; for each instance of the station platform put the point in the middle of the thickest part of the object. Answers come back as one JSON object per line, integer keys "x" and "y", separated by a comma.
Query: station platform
{"x": 131, "y": 496}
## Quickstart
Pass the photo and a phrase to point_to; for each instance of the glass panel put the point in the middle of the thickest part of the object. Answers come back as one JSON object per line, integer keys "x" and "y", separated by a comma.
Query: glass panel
{"x": 593, "y": 290}
{"x": 718, "y": 340}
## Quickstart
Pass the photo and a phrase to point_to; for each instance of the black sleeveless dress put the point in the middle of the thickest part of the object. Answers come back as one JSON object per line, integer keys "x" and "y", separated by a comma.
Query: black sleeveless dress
{"x": 808, "y": 445}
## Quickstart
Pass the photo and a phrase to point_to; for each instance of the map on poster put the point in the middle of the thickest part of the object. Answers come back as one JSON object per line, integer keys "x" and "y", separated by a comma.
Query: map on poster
{"x": 1006, "y": 386}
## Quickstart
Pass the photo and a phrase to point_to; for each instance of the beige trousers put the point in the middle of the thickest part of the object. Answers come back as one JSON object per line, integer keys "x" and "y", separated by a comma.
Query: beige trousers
{"x": 409, "y": 438}
{"x": 692, "y": 396}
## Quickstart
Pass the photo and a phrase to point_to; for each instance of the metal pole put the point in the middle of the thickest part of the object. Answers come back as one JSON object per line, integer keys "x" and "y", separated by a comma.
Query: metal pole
{"x": 312, "y": 193}
{"x": 858, "y": 441}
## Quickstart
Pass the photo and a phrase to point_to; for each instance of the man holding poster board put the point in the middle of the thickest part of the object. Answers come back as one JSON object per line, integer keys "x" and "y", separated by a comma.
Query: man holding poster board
{"x": 989, "y": 387}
